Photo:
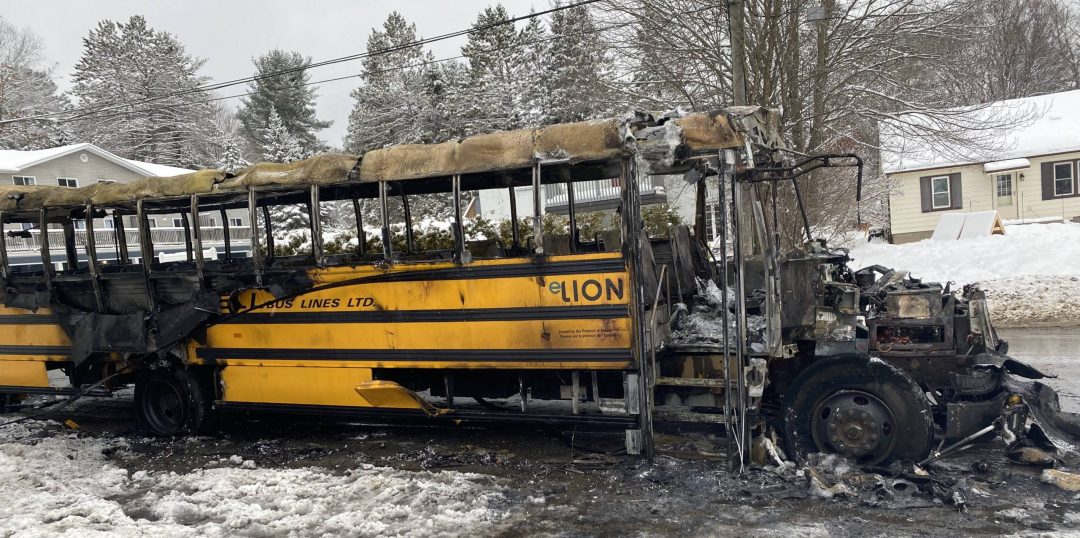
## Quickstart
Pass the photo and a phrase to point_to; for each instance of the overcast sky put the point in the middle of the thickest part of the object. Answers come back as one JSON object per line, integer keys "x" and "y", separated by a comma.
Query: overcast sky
{"x": 229, "y": 33}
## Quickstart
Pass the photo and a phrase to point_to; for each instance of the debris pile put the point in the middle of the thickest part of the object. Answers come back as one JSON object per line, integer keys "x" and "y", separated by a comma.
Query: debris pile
{"x": 703, "y": 322}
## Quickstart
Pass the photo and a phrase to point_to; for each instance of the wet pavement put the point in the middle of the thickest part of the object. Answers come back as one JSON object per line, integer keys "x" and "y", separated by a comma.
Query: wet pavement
{"x": 577, "y": 483}
{"x": 1055, "y": 351}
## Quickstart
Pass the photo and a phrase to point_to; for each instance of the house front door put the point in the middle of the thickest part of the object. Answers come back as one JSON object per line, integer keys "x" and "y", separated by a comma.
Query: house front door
{"x": 1005, "y": 195}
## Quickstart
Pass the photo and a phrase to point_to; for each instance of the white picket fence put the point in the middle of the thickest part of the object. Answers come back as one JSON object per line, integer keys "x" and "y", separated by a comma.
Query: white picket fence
{"x": 104, "y": 237}
{"x": 593, "y": 191}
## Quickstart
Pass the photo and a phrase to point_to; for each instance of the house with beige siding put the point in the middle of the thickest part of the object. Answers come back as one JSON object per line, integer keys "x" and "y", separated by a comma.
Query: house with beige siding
{"x": 80, "y": 165}
{"x": 1031, "y": 175}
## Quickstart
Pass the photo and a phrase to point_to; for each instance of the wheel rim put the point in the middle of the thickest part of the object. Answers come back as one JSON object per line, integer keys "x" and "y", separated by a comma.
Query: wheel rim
{"x": 164, "y": 407}
{"x": 856, "y": 424}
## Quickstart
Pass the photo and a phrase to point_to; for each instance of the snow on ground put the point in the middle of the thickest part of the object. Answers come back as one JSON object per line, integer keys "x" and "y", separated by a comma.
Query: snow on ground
{"x": 61, "y": 484}
{"x": 1031, "y": 274}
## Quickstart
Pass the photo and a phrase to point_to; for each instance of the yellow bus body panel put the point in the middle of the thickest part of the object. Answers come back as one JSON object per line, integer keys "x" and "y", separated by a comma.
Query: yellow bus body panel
{"x": 436, "y": 315}
{"x": 23, "y": 374}
{"x": 288, "y": 385}
{"x": 32, "y": 336}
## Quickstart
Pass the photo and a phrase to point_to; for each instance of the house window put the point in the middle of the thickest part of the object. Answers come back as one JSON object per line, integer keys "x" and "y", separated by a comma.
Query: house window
{"x": 236, "y": 223}
{"x": 79, "y": 224}
{"x": 712, "y": 221}
{"x": 24, "y": 180}
{"x": 212, "y": 222}
{"x": 67, "y": 182}
{"x": 106, "y": 181}
{"x": 109, "y": 224}
{"x": 1063, "y": 179}
{"x": 151, "y": 223}
{"x": 177, "y": 223}
{"x": 942, "y": 196}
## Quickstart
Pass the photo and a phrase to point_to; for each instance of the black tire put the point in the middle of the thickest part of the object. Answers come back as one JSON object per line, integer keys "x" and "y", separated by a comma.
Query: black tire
{"x": 9, "y": 402}
{"x": 171, "y": 401}
{"x": 861, "y": 408}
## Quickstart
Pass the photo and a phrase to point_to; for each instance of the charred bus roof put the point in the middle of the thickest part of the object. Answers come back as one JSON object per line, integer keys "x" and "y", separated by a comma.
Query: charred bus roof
{"x": 666, "y": 142}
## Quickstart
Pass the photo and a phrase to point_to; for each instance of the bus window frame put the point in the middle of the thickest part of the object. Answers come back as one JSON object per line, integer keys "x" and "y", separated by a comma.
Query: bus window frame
{"x": 225, "y": 233}
{"x": 461, "y": 253}
{"x": 46, "y": 257}
{"x": 253, "y": 222}
{"x": 91, "y": 260}
{"x": 146, "y": 249}
{"x": 120, "y": 246}
{"x": 572, "y": 213}
{"x": 315, "y": 226}
{"x": 188, "y": 242}
{"x": 515, "y": 232}
{"x": 538, "y": 218}
{"x": 260, "y": 203}
{"x": 23, "y": 218}
{"x": 5, "y": 272}
{"x": 410, "y": 244}
{"x": 358, "y": 214}
{"x": 196, "y": 231}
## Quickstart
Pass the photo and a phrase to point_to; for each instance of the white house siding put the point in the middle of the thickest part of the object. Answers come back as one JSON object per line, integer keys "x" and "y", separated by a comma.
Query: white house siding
{"x": 495, "y": 203}
{"x": 909, "y": 223}
{"x": 96, "y": 168}
{"x": 71, "y": 166}
{"x": 682, "y": 197}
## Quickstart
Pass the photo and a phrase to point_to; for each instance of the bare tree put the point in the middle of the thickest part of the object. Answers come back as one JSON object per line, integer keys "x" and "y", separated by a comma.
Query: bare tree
{"x": 1014, "y": 49}
{"x": 26, "y": 91}
{"x": 857, "y": 64}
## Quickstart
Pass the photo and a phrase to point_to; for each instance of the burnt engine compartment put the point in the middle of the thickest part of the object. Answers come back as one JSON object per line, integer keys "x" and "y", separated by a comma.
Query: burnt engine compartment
{"x": 936, "y": 335}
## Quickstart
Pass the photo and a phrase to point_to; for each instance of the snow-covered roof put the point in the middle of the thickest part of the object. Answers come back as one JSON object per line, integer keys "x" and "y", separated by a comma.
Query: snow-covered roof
{"x": 1052, "y": 126}
{"x": 159, "y": 170}
{"x": 1007, "y": 164}
{"x": 13, "y": 161}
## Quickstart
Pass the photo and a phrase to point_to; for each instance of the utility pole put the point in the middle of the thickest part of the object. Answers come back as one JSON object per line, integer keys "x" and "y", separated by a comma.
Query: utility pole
{"x": 737, "y": 34}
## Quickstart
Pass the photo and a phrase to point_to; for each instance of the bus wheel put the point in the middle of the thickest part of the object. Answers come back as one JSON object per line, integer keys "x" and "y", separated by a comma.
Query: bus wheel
{"x": 170, "y": 401}
{"x": 864, "y": 410}
{"x": 9, "y": 402}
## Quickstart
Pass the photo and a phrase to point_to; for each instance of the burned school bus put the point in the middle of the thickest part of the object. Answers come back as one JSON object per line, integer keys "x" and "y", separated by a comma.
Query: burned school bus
{"x": 550, "y": 327}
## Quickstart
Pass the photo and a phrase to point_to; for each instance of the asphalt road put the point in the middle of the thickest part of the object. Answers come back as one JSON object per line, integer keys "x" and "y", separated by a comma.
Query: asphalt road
{"x": 1055, "y": 351}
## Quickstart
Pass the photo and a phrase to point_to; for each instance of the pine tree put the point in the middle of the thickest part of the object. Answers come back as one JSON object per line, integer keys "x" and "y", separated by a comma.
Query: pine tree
{"x": 576, "y": 68}
{"x": 289, "y": 93}
{"x": 26, "y": 90}
{"x": 130, "y": 62}
{"x": 232, "y": 158}
{"x": 393, "y": 102}
{"x": 504, "y": 72}
{"x": 280, "y": 146}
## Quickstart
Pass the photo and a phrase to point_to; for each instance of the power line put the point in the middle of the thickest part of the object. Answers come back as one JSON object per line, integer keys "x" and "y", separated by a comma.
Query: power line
{"x": 96, "y": 114}
{"x": 366, "y": 54}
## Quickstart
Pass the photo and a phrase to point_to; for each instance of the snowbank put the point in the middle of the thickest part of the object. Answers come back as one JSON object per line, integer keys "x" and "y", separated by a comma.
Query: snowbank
{"x": 1031, "y": 274}
{"x": 66, "y": 485}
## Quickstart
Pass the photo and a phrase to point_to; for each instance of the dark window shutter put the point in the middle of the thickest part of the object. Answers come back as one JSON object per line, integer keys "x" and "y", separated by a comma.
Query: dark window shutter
{"x": 957, "y": 192}
{"x": 1048, "y": 181}
{"x": 926, "y": 193}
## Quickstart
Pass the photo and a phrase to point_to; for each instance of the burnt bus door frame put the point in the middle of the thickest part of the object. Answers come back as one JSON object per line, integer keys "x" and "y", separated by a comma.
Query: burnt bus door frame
{"x": 630, "y": 177}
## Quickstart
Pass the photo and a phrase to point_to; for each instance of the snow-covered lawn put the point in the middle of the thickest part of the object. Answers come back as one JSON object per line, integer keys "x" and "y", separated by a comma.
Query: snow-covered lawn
{"x": 1031, "y": 274}
{"x": 64, "y": 484}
